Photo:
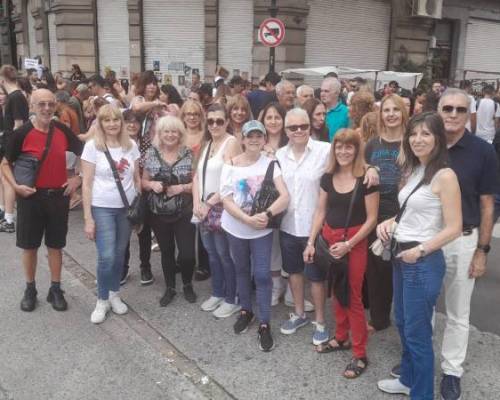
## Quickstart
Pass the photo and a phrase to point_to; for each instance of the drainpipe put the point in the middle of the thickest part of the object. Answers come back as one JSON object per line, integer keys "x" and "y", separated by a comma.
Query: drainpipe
{"x": 141, "y": 24}
{"x": 96, "y": 38}
{"x": 217, "y": 8}
{"x": 392, "y": 34}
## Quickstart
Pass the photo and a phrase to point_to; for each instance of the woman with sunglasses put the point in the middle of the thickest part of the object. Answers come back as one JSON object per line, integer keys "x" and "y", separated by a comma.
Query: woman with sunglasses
{"x": 250, "y": 240}
{"x": 343, "y": 180}
{"x": 382, "y": 153}
{"x": 220, "y": 147}
{"x": 239, "y": 111}
{"x": 317, "y": 114}
{"x": 431, "y": 219}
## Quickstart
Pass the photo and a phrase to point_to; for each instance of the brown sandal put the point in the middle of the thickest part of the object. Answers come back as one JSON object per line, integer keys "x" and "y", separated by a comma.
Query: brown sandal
{"x": 357, "y": 366}
{"x": 328, "y": 348}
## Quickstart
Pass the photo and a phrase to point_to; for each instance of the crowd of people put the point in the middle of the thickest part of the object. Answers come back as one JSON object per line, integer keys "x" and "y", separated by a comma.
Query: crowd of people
{"x": 252, "y": 187}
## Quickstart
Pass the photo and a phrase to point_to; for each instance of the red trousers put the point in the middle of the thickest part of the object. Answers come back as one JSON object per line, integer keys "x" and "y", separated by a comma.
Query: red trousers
{"x": 351, "y": 318}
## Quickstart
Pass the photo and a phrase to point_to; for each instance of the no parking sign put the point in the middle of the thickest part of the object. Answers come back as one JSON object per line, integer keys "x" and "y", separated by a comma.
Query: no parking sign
{"x": 272, "y": 32}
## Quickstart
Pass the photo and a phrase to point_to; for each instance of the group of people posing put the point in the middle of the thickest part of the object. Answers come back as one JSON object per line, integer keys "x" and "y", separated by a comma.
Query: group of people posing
{"x": 404, "y": 206}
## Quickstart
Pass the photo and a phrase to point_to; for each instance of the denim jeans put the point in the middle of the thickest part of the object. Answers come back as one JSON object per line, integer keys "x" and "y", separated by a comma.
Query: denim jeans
{"x": 416, "y": 289}
{"x": 221, "y": 264}
{"x": 248, "y": 254}
{"x": 112, "y": 233}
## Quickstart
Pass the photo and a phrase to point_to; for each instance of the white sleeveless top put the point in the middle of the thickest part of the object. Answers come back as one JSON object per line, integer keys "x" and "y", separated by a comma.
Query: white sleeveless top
{"x": 213, "y": 172}
{"x": 423, "y": 217}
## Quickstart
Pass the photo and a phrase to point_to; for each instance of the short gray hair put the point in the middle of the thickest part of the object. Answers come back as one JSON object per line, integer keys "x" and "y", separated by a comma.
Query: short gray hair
{"x": 62, "y": 96}
{"x": 280, "y": 87}
{"x": 454, "y": 92}
{"x": 334, "y": 83}
{"x": 303, "y": 88}
{"x": 82, "y": 87}
{"x": 296, "y": 112}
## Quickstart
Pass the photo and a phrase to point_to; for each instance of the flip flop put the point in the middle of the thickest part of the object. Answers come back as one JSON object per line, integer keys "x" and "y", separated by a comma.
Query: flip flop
{"x": 328, "y": 348}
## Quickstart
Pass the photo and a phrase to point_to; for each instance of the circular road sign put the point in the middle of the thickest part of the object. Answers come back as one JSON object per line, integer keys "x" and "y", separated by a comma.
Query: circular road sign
{"x": 272, "y": 32}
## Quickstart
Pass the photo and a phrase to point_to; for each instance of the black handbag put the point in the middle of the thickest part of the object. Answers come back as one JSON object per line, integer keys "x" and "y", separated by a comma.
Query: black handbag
{"x": 266, "y": 196}
{"x": 135, "y": 211}
{"x": 336, "y": 269}
{"x": 27, "y": 167}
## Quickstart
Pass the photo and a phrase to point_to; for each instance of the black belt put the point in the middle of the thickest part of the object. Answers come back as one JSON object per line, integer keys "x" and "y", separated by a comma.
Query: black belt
{"x": 50, "y": 192}
{"x": 467, "y": 229}
{"x": 407, "y": 245}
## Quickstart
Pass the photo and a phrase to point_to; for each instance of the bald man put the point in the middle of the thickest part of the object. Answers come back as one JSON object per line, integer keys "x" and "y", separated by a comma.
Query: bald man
{"x": 43, "y": 198}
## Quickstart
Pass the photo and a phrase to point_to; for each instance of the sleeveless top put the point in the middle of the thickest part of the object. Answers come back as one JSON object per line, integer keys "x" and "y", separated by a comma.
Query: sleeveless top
{"x": 213, "y": 172}
{"x": 423, "y": 217}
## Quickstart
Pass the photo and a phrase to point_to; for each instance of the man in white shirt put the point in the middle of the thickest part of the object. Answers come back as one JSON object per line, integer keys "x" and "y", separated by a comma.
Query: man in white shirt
{"x": 488, "y": 115}
{"x": 303, "y": 162}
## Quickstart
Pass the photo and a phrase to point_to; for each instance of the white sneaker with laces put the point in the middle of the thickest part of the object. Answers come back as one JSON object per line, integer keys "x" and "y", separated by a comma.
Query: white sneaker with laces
{"x": 102, "y": 307}
{"x": 278, "y": 290}
{"x": 212, "y": 303}
{"x": 226, "y": 310}
{"x": 308, "y": 306}
{"x": 393, "y": 386}
{"x": 117, "y": 305}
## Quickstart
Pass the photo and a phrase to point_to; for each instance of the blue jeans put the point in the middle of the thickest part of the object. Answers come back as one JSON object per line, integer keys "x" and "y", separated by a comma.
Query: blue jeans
{"x": 416, "y": 289}
{"x": 256, "y": 254}
{"x": 221, "y": 264}
{"x": 112, "y": 233}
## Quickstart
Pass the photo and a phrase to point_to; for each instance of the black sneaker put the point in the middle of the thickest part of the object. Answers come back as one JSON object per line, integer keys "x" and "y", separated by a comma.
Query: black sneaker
{"x": 167, "y": 297}
{"x": 450, "y": 387}
{"x": 147, "y": 277}
{"x": 56, "y": 298}
{"x": 266, "y": 342}
{"x": 201, "y": 275}
{"x": 189, "y": 293}
{"x": 243, "y": 322}
{"x": 7, "y": 228}
{"x": 396, "y": 371}
{"x": 28, "y": 303}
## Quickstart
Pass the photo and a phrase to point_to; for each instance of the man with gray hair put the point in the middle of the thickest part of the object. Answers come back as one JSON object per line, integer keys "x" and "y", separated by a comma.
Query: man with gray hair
{"x": 285, "y": 92}
{"x": 337, "y": 113}
{"x": 81, "y": 94}
{"x": 304, "y": 93}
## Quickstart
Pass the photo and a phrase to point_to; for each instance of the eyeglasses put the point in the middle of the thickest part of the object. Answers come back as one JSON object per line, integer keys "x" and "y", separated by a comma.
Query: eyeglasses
{"x": 46, "y": 104}
{"x": 218, "y": 121}
{"x": 295, "y": 128}
{"x": 450, "y": 109}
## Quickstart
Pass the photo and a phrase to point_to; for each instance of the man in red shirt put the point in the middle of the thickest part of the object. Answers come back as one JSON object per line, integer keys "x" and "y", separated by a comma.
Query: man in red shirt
{"x": 43, "y": 210}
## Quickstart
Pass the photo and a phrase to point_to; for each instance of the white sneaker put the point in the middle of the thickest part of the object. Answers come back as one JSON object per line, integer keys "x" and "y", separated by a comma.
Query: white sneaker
{"x": 308, "y": 306}
{"x": 278, "y": 290}
{"x": 212, "y": 303}
{"x": 393, "y": 386}
{"x": 117, "y": 305}
{"x": 226, "y": 310}
{"x": 155, "y": 247}
{"x": 102, "y": 307}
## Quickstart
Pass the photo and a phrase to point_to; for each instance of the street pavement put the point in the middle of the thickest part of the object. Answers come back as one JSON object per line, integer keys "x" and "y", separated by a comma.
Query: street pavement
{"x": 180, "y": 352}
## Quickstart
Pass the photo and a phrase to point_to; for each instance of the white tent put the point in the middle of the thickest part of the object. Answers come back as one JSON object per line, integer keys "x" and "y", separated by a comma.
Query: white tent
{"x": 407, "y": 80}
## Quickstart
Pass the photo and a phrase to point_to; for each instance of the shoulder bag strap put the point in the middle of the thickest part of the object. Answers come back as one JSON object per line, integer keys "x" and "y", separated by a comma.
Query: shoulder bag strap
{"x": 117, "y": 178}
{"x": 270, "y": 171}
{"x": 50, "y": 134}
{"x": 351, "y": 206}
{"x": 403, "y": 207}
{"x": 205, "y": 162}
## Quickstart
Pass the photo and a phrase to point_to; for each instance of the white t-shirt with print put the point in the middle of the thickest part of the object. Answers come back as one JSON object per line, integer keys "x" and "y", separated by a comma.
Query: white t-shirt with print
{"x": 243, "y": 183}
{"x": 485, "y": 116}
{"x": 104, "y": 190}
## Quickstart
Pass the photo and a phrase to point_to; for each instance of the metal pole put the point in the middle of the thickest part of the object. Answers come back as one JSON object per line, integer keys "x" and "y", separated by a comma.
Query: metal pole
{"x": 273, "y": 10}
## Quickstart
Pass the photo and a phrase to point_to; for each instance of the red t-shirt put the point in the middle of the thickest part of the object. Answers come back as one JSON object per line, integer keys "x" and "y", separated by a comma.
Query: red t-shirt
{"x": 52, "y": 174}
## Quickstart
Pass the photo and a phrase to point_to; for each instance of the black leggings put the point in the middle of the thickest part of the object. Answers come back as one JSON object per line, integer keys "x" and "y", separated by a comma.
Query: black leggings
{"x": 168, "y": 234}
{"x": 144, "y": 249}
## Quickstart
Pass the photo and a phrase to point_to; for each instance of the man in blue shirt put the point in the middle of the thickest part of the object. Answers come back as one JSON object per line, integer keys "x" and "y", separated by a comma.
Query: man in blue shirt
{"x": 337, "y": 113}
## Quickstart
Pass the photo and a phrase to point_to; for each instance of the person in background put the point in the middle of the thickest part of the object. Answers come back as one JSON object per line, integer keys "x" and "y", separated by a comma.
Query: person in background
{"x": 285, "y": 93}
{"x": 337, "y": 113}
{"x": 304, "y": 93}
{"x": 437, "y": 88}
{"x": 77, "y": 74}
{"x": 369, "y": 126}
{"x": 250, "y": 240}
{"x": 361, "y": 104}
{"x": 205, "y": 93}
{"x": 472, "y": 122}
{"x": 170, "y": 95}
{"x": 264, "y": 94}
{"x": 317, "y": 112}
{"x": 237, "y": 85}
{"x": 419, "y": 103}
{"x": 488, "y": 115}
{"x": 76, "y": 101}
{"x": 239, "y": 112}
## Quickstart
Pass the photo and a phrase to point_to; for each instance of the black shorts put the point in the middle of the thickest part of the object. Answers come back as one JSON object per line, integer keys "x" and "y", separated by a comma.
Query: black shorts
{"x": 44, "y": 213}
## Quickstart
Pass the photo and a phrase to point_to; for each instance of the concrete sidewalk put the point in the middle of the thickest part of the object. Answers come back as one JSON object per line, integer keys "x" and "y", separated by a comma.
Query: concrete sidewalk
{"x": 179, "y": 352}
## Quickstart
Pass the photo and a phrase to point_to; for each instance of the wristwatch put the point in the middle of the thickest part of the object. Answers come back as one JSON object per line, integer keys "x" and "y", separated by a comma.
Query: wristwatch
{"x": 485, "y": 248}
{"x": 374, "y": 167}
{"x": 269, "y": 214}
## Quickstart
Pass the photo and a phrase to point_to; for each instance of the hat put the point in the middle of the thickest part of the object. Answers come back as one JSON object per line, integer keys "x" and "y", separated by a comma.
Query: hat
{"x": 251, "y": 126}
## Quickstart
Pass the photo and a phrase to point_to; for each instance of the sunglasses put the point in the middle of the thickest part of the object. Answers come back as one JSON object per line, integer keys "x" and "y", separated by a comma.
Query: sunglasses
{"x": 450, "y": 109}
{"x": 295, "y": 128}
{"x": 218, "y": 121}
{"x": 46, "y": 104}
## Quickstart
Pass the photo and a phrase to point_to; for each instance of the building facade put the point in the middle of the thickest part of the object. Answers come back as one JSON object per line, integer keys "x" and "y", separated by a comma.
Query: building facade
{"x": 449, "y": 38}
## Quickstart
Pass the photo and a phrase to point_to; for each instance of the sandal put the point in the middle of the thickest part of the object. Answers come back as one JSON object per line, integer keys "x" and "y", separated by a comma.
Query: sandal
{"x": 357, "y": 366}
{"x": 328, "y": 348}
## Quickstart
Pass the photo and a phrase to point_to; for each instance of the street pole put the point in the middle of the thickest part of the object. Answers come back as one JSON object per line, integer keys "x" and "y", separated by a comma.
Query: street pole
{"x": 273, "y": 10}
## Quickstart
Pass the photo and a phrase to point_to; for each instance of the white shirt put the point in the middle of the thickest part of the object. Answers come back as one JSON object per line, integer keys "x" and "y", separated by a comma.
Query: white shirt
{"x": 243, "y": 183}
{"x": 104, "y": 190}
{"x": 486, "y": 119}
{"x": 472, "y": 110}
{"x": 302, "y": 179}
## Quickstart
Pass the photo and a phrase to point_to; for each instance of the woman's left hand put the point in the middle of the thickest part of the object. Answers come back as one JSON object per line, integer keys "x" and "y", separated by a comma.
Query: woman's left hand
{"x": 174, "y": 190}
{"x": 409, "y": 256}
{"x": 339, "y": 249}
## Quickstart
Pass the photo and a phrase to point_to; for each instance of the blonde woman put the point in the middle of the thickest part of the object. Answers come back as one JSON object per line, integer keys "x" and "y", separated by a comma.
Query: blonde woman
{"x": 193, "y": 117}
{"x": 104, "y": 212}
{"x": 167, "y": 176}
{"x": 239, "y": 111}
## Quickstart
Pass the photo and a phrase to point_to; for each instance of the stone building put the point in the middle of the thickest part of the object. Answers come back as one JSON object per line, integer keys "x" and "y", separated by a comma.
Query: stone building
{"x": 455, "y": 37}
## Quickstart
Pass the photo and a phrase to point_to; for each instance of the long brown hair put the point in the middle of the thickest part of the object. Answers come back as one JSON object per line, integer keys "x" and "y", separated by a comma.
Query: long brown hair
{"x": 348, "y": 136}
